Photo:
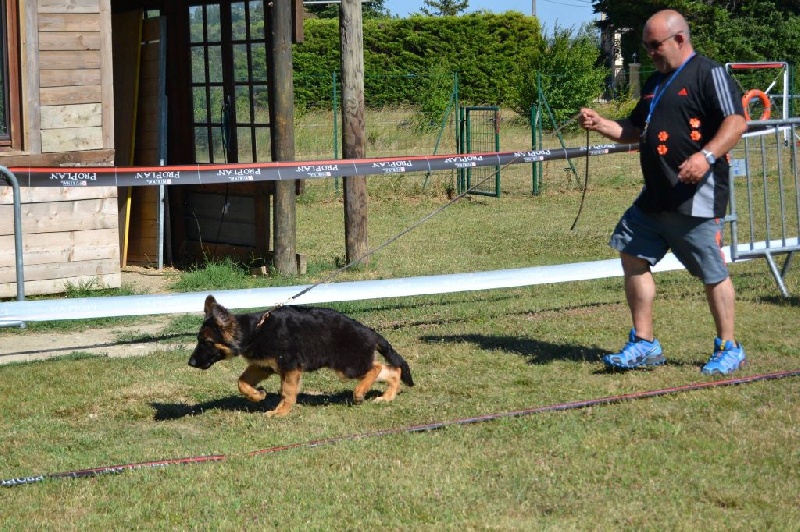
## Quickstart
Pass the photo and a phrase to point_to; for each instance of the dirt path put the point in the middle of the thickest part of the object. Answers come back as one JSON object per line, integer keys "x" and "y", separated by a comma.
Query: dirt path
{"x": 111, "y": 342}
{"x": 114, "y": 341}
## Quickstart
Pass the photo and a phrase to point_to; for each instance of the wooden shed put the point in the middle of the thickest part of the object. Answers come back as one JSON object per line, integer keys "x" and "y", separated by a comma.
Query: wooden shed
{"x": 58, "y": 111}
{"x": 133, "y": 82}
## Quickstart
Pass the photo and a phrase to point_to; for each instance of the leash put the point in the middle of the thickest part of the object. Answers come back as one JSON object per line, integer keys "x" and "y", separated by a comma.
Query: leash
{"x": 586, "y": 168}
{"x": 585, "y": 185}
{"x": 615, "y": 399}
{"x": 385, "y": 244}
{"x": 423, "y": 220}
{"x": 336, "y": 273}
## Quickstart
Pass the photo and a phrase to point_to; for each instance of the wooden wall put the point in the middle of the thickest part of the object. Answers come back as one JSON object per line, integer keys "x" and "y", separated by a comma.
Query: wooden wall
{"x": 69, "y": 235}
{"x": 76, "y": 112}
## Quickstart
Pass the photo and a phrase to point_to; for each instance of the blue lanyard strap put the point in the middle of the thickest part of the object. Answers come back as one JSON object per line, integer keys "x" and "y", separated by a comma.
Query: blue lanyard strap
{"x": 659, "y": 90}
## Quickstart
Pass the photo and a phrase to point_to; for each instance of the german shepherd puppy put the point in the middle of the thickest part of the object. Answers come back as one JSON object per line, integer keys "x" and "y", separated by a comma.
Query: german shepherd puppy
{"x": 291, "y": 340}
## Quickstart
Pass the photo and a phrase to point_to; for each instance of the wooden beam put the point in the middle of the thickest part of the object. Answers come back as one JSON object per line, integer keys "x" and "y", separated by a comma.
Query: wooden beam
{"x": 353, "y": 129}
{"x": 298, "y": 16}
{"x": 281, "y": 84}
{"x": 71, "y": 158}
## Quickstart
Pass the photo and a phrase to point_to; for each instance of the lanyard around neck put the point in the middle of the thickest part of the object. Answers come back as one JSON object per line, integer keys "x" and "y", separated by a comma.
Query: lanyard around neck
{"x": 659, "y": 90}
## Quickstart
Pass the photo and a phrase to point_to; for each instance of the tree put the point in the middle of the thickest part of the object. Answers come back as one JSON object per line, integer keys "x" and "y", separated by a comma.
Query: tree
{"x": 726, "y": 30}
{"x": 563, "y": 69}
{"x": 444, "y": 8}
{"x": 371, "y": 9}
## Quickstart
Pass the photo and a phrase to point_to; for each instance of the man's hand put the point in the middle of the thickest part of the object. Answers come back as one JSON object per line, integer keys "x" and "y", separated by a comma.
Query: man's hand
{"x": 693, "y": 170}
{"x": 616, "y": 130}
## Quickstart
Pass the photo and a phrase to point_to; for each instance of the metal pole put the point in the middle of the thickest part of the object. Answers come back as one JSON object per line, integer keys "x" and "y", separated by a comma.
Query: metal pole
{"x": 162, "y": 133}
{"x": 12, "y": 180}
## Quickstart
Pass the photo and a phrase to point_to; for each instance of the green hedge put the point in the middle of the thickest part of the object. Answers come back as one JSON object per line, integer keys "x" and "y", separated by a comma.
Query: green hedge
{"x": 490, "y": 52}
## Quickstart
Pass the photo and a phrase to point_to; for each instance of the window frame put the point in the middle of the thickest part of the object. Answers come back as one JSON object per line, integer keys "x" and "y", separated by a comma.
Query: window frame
{"x": 10, "y": 63}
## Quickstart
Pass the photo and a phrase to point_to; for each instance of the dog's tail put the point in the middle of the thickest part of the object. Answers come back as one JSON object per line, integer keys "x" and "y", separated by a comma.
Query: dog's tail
{"x": 394, "y": 359}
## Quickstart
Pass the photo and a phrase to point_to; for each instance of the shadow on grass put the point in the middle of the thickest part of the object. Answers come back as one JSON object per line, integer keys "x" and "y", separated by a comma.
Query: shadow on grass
{"x": 235, "y": 403}
{"x": 535, "y": 352}
{"x": 791, "y": 301}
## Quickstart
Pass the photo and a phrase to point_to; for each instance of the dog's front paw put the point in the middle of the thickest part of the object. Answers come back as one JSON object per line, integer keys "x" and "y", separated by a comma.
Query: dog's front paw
{"x": 252, "y": 394}
{"x": 282, "y": 409}
{"x": 255, "y": 396}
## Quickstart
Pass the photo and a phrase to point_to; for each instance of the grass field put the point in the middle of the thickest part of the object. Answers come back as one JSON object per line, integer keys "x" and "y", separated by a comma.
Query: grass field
{"x": 723, "y": 458}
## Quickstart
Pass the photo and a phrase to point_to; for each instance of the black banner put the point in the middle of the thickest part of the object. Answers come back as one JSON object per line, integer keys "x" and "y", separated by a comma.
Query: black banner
{"x": 203, "y": 174}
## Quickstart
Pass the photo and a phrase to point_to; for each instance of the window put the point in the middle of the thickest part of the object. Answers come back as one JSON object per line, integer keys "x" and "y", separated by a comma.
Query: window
{"x": 10, "y": 127}
{"x": 229, "y": 81}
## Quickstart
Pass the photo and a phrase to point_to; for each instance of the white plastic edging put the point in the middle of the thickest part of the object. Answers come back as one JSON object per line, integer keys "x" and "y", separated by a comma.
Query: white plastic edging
{"x": 14, "y": 312}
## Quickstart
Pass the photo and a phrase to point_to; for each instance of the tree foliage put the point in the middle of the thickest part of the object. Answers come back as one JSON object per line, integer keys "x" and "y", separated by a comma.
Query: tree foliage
{"x": 726, "y": 30}
{"x": 562, "y": 70}
{"x": 486, "y": 50}
{"x": 444, "y": 8}
{"x": 371, "y": 9}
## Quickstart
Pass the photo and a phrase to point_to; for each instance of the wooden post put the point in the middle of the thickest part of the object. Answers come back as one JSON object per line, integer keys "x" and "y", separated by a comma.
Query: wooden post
{"x": 281, "y": 112}
{"x": 353, "y": 129}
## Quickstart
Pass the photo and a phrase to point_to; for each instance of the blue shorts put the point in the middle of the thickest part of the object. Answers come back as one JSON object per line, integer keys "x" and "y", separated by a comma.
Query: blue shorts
{"x": 696, "y": 242}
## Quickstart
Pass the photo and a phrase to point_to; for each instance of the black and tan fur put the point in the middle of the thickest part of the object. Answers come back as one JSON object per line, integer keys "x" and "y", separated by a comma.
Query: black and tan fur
{"x": 289, "y": 341}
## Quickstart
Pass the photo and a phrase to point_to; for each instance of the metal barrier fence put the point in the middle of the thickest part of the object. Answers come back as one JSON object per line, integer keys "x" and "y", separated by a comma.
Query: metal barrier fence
{"x": 9, "y": 177}
{"x": 765, "y": 195}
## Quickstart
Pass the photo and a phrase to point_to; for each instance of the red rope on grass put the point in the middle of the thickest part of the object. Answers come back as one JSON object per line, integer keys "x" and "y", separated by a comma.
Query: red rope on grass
{"x": 98, "y": 471}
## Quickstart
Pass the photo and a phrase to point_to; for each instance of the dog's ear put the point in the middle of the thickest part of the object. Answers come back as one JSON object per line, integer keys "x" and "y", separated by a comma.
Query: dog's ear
{"x": 217, "y": 311}
{"x": 221, "y": 315}
{"x": 209, "y": 306}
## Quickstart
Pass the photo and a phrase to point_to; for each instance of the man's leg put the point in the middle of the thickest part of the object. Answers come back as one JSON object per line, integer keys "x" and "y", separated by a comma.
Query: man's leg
{"x": 640, "y": 291}
{"x": 721, "y": 300}
{"x": 728, "y": 354}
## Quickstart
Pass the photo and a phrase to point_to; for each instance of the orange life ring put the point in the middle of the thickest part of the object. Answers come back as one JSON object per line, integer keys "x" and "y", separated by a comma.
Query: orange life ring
{"x": 763, "y": 98}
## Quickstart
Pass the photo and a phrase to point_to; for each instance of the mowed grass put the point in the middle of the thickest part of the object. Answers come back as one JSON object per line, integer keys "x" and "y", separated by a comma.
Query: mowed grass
{"x": 718, "y": 458}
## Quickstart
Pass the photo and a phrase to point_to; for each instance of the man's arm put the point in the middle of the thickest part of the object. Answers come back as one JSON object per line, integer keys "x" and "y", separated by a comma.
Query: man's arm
{"x": 693, "y": 169}
{"x": 729, "y": 133}
{"x": 622, "y": 131}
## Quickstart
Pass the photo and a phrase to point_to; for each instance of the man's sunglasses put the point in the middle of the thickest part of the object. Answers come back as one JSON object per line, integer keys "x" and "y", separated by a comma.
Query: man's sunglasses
{"x": 652, "y": 46}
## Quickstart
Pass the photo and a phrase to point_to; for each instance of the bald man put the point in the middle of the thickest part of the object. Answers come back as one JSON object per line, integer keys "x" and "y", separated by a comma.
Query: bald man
{"x": 688, "y": 118}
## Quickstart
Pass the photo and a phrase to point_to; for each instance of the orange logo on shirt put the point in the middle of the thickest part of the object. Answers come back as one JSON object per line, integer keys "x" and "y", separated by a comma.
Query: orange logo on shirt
{"x": 663, "y": 136}
{"x": 662, "y": 149}
{"x": 695, "y": 135}
{"x": 683, "y": 92}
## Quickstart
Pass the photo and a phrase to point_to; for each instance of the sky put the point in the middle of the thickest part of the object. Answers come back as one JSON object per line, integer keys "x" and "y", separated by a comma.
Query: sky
{"x": 564, "y": 13}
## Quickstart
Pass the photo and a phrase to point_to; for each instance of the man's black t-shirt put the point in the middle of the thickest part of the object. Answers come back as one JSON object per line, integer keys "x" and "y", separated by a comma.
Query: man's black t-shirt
{"x": 688, "y": 106}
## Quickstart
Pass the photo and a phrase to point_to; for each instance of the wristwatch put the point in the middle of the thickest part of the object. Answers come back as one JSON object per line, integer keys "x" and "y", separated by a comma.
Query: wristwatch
{"x": 710, "y": 157}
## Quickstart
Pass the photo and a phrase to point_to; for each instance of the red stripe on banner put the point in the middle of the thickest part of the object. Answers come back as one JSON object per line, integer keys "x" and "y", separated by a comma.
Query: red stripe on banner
{"x": 748, "y": 66}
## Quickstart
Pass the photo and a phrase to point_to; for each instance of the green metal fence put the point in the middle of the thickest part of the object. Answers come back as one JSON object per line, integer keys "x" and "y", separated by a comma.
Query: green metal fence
{"x": 480, "y": 133}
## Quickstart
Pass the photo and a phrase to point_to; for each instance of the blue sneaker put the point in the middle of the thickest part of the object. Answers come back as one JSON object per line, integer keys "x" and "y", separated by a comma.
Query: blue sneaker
{"x": 636, "y": 353}
{"x": 726, "y": 358}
